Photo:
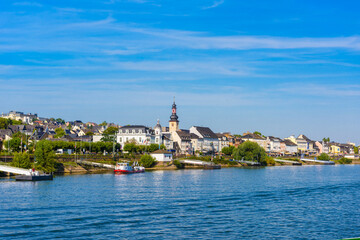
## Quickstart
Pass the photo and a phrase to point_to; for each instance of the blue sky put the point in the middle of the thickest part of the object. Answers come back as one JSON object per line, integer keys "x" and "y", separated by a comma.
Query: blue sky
{"x": 279, "y": 67}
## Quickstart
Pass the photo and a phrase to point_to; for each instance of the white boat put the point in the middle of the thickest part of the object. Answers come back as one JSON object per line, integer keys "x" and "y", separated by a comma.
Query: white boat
{"x": 126, "y": 168}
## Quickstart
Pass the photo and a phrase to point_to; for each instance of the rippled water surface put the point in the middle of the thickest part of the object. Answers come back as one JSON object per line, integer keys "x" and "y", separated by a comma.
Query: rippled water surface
{"x": 309, "y": 202}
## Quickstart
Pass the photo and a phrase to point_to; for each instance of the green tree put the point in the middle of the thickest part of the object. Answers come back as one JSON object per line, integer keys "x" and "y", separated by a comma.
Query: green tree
{"x": 130, "y": 147}
{"x": 110, "y": 131}
{"x": 13, "y": 144}
{"x": 16, "y": 122}
{"x": 21, "y": 160}
{"x": 109, "y": 134}
{"x": 153, "y": 147}
{"x": 44, "y": 157}
{"x": 326, "y": 140}
{"x": 228, "y": 150}
{"x": 104, "y": 123}
{"x": 356, "y": 150}
{"x": 147, "y": 161}
{"x": 324, "y": 157}
{"x": 163, "y": 147}
{"x": 257, "y": 133}
{"x": 69, "y": 126}
{"x": 250, "y": 151}
{"x": 4, "y": 123}
{"x": 59, "y": 120}
{"x": 89, "y": 134}
{"x": 59, "y": 133}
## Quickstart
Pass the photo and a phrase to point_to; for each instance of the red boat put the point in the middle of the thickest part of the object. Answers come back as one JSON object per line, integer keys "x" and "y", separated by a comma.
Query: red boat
{"x": 126, "y": 168}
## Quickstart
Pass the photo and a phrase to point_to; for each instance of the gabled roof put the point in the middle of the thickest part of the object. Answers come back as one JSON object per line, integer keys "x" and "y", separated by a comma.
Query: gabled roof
{"x": 289, "y": 143}
{"x": 252, "y": 136}
{"x": 184, "y": 136}
{"x": 206, "y": 132}
{"x": 161, "y": 151}
{"x": 302, "y": 136}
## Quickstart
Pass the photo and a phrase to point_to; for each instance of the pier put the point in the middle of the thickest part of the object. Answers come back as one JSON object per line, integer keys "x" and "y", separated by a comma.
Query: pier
{"x": 15, "y": 170}
{"x": 288, "y": 161}
{"x": 95, "y": 164}
{"x": 318, "y": 161}
{"x": 249, "y": 163}
{"x": 206, "y": 165}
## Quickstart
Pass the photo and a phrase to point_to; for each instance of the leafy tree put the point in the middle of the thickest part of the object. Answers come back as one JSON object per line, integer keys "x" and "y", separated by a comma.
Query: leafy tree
{"x": 110, "y": 131}
{"x": 59, "y": 133}
{"x": 356, "y": 150}
{"x": 163, "y": 147}
{"x": 69, "y": 126}
{"x": 147, "y": 161}
{"x": 153, "y": 147}
{"x": 44, "y": 157}
{"x": 21, "y": 160}
{"x": 59, "y": 120}
{"x": 250, "y": 151}
{"x": 326, "y": 140}
{"x": 89, "y": 134}
{"x": 228, "y": 150}
{"x": 109, "y": 134}
{"x": 324, "y": 157}
{"x": 17, "y": 122}
{"x": 4, "y": 123}
{"x": 130, "y": 147}
{"x": 104, "y": 123}
{"x": 258, "y": 133}
{"x": 13, "y": 144}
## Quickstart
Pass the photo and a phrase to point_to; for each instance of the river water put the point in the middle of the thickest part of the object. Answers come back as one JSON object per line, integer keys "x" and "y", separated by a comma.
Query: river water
{"x": 308, "y": 202}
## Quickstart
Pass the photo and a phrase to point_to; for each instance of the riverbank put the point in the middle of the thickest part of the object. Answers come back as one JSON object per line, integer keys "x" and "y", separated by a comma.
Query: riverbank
{"x": 69, "y": 167}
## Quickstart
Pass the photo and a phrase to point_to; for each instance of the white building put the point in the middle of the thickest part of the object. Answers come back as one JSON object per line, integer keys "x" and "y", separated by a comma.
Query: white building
{"x": 210, "y": 139}
{"x": 273, "y": 144}
{"x": 25, "y": 118}
{"x": 162, "y": 156}
{"x": 138, "y": 134}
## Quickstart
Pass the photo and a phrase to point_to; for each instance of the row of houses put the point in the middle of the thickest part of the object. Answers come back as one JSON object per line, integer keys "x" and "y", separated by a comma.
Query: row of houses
{"x": 182, "y": 141}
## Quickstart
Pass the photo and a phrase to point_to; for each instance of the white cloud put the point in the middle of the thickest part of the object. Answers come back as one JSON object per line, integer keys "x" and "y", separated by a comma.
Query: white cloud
{"x": 215, "y": 4}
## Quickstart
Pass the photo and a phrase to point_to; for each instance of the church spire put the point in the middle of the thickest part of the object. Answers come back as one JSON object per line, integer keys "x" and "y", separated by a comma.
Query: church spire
{"x": 174, "y": 122}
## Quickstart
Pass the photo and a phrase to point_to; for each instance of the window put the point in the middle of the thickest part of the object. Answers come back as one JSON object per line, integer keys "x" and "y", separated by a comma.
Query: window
{"x": 120, "y": 139}
{"x": 139, "y": 139}
{"x": 156, "y": 140}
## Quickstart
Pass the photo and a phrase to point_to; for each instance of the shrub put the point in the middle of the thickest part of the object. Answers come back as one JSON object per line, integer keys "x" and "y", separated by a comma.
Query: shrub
{"x": 344, "y": 161}
{"x": 178, "y": 164}
{"x": 147, "y": 161}
{"x": 270, "y": 161}
{"x": 324, "y": 157}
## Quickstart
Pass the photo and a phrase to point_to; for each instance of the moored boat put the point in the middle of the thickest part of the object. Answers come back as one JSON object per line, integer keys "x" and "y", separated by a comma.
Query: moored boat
{"x": 34, "y": 176}
{"x": 126, "y": 168}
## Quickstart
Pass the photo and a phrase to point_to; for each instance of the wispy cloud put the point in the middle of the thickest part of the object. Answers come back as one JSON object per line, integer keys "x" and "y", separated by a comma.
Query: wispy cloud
{"x": 215, "y": 4}
{"x": 321, "y": 90}
{"x": 30, "y": 4}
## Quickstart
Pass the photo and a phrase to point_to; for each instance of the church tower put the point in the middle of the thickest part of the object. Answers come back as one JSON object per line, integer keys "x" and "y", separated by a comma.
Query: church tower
{"x": 174, "y": 122}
